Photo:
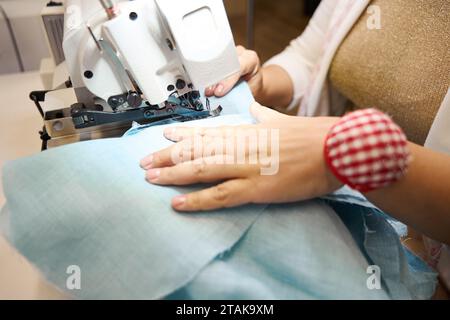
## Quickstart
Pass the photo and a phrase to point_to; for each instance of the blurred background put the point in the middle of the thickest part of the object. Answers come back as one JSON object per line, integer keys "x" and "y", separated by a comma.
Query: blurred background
{"x": 265, "y": 25}
{"x": 274, "y": 23}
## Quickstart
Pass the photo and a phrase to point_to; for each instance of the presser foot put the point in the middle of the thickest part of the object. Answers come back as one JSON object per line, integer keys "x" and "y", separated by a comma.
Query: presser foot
{"x": 85, "y": 117}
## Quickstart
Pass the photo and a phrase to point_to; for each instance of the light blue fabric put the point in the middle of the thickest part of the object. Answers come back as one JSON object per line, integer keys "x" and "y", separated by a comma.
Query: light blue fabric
{"x": 293, "y": 251}
{"x": 88, "y": 204}
{"x": 305, "y": 251}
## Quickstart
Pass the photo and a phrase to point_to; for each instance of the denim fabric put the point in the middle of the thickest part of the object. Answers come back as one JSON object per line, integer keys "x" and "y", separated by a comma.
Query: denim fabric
{"x": 403, "y": 276}
{"x": 87, "y": 204}
{"x": 350, "y": 196}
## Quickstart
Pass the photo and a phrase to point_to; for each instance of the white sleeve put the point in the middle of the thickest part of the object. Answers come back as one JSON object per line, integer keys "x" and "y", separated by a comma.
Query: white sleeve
{"x": 300, "y": 57}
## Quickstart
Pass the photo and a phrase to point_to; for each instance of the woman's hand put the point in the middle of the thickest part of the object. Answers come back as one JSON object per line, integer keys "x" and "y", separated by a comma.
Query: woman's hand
{"x": 270, "y": 85}
{"x": 284, "y": 164}
{"x": 250, "y": 71}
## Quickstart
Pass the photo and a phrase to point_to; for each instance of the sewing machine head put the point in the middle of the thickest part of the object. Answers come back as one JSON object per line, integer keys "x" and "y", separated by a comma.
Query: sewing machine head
{"x": 142, "y": 60}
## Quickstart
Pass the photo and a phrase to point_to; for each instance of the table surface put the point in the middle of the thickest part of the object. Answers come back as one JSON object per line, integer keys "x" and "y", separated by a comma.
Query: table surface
{"x": 20, "y": 123}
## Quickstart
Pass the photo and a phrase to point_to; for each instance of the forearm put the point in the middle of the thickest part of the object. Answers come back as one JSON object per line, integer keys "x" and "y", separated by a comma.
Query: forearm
{"x": 277, "y": 89}
{"x": 422, "y": 198}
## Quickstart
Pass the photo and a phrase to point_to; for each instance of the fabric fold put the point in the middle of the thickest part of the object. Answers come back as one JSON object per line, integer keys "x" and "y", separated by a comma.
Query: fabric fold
{"x": 89, "y": 205}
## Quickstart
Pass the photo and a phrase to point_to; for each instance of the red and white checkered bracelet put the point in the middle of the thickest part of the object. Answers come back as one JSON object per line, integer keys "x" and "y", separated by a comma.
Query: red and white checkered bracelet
{"x": 366, "y": 150}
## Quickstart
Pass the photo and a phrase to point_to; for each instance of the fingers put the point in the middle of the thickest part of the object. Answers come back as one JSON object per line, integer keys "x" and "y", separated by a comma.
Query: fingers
{"x": 169, "y": 156}
{"x": 190, "y": 148}
{"x": 249, "y": 61}
{"x": 249, "y": 66}
{"x": 177, "y": 134}
{"x": 209, "y": 92}
{"x": 162, "y": 158}
{"x": 240, "y": 49}
{"x": 225, "y": 86}
{"x": 259, "y": 112}
{"x": 205, "y": 170}
{"x": 228, "y": 194}
{"x": 193, "y": 143}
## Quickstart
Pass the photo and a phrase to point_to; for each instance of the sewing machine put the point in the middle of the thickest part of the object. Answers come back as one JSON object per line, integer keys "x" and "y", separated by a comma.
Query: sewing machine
{"x": 141, "y": 61}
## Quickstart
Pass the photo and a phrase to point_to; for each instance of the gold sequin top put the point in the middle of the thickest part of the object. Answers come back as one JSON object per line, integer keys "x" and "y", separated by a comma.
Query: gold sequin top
{"x": 403, "y": 68}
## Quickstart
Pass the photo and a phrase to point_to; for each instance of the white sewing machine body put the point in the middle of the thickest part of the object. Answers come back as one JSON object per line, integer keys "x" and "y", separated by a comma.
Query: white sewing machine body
{"x": 141, "y": 60}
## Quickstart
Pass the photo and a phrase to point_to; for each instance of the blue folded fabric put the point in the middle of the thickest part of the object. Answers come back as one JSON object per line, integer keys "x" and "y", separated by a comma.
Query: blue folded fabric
{"x": 88, "y": 205}
{"x": 307, "y": 251}
{"x": 293, "y": 251}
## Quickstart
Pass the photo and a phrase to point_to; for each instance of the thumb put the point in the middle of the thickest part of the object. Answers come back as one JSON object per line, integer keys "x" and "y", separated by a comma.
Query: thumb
{"x": 225, "y": 86}
{"x": 263, "y": 114}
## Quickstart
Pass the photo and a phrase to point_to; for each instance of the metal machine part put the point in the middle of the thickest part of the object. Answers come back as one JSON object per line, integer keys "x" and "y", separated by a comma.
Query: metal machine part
{"x": 79, "y": 123}
{"x": 142, "y": 61}
{"x": 187, "y": 107}
{"x": 145, "y": 47}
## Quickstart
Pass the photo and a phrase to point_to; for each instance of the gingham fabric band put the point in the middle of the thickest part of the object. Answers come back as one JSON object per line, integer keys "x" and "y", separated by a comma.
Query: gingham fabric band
{"x": 366, "y": 150}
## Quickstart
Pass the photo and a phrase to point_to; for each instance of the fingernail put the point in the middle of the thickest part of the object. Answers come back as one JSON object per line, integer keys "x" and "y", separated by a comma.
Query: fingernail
{"x": 219, "y": 89}
{"x": 209, "y": 90}
{"x": 146, "y": 163}
{"x": 169, "y": 133}
{"x": 179, "y": 201}
{"x": 153, "y": 174}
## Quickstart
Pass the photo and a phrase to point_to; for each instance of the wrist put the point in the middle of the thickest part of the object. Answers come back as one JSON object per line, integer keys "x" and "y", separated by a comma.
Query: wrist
{"x": 332, "y": 182}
